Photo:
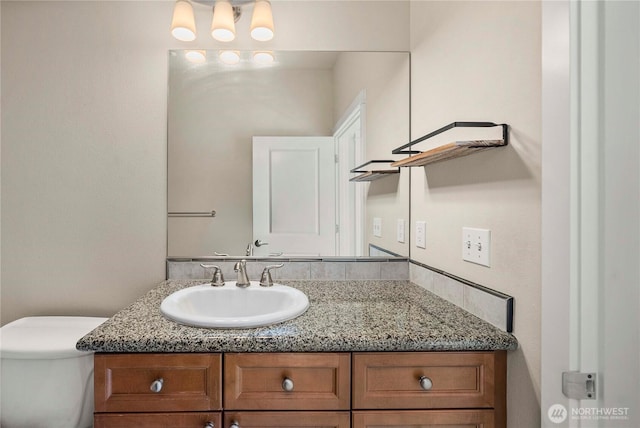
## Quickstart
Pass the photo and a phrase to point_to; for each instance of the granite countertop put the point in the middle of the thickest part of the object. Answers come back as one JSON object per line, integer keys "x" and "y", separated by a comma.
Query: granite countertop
{"x": 343, "y": 316}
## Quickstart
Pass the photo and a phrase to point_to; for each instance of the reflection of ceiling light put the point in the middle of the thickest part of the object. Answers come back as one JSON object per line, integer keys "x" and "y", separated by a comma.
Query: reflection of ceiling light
{"x": 263, "y": 57}
{"x": 183, "y": 24}
{"x": 230, "y": 57}
{"x": 196, "y": 57}
{"x": 225, "y": 14}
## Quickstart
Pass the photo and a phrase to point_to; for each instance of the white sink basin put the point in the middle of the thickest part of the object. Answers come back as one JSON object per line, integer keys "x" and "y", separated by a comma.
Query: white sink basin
{"x": 234, "y": 307}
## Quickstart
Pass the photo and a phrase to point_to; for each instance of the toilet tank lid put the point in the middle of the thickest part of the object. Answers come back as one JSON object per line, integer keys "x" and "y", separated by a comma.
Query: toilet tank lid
{"x": 45, "y": 337}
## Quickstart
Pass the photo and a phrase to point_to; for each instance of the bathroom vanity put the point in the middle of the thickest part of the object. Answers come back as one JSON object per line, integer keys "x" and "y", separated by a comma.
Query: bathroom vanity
{"x": 365, "y": 354}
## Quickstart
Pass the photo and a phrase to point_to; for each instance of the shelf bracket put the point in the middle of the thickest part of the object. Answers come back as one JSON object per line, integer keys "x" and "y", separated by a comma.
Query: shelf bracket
{"x": 505, "y": 134}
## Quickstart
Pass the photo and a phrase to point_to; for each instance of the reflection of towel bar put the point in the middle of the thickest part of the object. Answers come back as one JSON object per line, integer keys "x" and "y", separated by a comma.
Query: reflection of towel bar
{"x": 193, "y": 214}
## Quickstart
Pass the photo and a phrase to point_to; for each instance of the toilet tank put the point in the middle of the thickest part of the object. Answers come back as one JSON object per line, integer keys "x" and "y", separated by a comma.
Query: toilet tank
{"x": 45, "y": 381}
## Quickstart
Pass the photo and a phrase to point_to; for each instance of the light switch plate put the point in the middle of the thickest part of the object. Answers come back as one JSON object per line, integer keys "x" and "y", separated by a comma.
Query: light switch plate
{"x": 400, "y": 233}
{"x": 421, "y": 234}
{"x": 377, "y": 227}
{"x": 476, "y": 245}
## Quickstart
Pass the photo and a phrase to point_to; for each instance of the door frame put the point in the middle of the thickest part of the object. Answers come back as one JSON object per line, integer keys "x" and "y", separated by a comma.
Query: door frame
{"x": 590, "y": 209}
{"x": 355, "y": 112}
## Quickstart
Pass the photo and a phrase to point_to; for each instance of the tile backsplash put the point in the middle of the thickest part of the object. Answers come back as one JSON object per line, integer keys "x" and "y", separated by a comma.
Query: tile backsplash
{"x": 321, "y": 269}
{"x": 492, "y": 306}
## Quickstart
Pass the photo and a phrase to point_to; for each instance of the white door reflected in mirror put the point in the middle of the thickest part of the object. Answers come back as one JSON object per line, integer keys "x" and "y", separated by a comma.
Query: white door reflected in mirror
{"x": 294, "y": 195}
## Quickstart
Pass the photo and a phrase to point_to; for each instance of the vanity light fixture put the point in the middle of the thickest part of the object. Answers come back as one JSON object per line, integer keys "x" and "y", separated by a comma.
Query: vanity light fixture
{"x": 183, "y": 23}
{"x": 262, "y": 21}
{"x": 225, "y": 14}
{"x": 223, "y": 25}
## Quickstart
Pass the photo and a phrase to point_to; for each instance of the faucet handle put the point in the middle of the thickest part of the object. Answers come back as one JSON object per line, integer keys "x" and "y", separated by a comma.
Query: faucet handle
{"x": 218, "y": 278}
{"x": 265, "y": 278}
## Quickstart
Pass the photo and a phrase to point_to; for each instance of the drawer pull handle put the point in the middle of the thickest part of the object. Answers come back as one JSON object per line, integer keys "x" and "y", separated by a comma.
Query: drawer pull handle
{"x": 425, "y": 383}
{"x": 210, "y": 425}
{"x": 234, "y": 424}
{"x": 287, "y": 384}
{"x": 156, "y": 385}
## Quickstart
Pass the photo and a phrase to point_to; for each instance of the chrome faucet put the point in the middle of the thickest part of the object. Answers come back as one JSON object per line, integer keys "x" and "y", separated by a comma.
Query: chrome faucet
{"x": 243, "y": 279}
{"x": 218, "y": 279}
{"x": 266, "y": 280}
{"x": 249, "y": 251}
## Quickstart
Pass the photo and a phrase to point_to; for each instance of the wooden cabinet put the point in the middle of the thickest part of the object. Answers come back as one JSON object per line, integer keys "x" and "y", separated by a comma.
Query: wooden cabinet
{"x": 429, "y": 380}
{"x": 288, "y": 419}
{"x": 158, "y": 420}
{"x": 287, "y": 381}
{"x": 157, "y": 382}
{"x": 341, "y": 390}
{"x": 424, "y": 419}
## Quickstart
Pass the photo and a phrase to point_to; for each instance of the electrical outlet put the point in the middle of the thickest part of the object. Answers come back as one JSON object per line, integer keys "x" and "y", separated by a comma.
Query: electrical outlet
{"x": 400, "y": 233}
{"x": 377, "y": 227}
{"x": 421, "y": 234}
{"x": 476, "y": 245}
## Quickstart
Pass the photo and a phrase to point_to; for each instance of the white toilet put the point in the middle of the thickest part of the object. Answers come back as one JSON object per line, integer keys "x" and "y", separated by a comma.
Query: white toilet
{"x": 45, "y": 381}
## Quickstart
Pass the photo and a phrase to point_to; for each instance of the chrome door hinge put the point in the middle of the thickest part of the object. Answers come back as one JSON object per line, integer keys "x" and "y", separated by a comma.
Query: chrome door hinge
{"x": 579, "y": 386}
{"x": 337, "y": 158}
{"x": 337, "y": 228}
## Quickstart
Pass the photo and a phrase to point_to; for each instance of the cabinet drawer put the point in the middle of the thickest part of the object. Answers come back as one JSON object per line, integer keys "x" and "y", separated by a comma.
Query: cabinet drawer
{"x": 157, "y": 420}
{"x": 287, "y": 381}
{"x": 452, "y": 380}
{"x": 190, "y": 382}
{"x": 425, "y": 418}
{"x": 288, "y": 419}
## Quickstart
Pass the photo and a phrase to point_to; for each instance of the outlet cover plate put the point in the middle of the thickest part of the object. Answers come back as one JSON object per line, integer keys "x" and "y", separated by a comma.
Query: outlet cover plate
{"x": 476, "y": 245}
{"x": 400, "y": 232}
{"x": 421, "y": 234}
{"x": 377, "y": 227}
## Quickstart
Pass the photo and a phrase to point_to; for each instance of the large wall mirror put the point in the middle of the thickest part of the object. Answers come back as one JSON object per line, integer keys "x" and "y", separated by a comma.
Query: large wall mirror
{"x": 260, "y": 153}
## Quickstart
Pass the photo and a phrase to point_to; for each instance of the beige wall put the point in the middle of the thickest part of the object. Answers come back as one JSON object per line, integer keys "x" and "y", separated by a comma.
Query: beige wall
{"x": 481, "y": 61}
{"x": 84, "y": 92}
{"x": 385, "y": 80}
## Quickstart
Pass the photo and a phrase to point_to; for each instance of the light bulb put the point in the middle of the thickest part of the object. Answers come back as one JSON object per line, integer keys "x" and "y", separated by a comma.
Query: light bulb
{"x": 223, "y": 27}
{"x": 183, "y": 24}
{"x": 262, "y": 21}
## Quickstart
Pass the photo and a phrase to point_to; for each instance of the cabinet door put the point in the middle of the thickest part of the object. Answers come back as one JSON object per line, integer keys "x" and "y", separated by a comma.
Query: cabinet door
{"x": 181, "y": 382}
{"x": 287, "y": 419}
{"x": 157, "y": 420}
{"x": 429, "y": 380}
{"x": 287, "y": 381}
{"x": 424, "y": 419}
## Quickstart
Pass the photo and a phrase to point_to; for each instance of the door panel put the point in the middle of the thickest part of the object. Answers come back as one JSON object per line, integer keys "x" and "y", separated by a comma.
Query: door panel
{"x": 296, "y": 216}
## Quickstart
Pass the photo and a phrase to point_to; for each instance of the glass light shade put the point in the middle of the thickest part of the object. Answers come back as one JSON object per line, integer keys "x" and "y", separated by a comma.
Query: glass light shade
{"x": 183, "y": 23}
{"x": 223, "y": 27}
{"x": 263, "y": 57}
{"x": 230, "y": 57}
{"x": 196, "y": 57}
{"x": 262, "y": 21}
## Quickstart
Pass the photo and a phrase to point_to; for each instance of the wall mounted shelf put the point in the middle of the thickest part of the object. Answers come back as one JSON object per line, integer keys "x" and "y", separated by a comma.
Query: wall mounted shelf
{"x": 451, "y": 150}
{"x": 372, "y": 173}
